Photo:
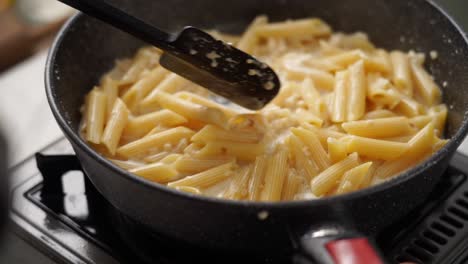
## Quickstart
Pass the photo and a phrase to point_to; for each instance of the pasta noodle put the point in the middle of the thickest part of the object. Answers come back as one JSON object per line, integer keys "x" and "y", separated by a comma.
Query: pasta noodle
{"x": 348, "y": 116}
{"x": 238, "y": 188}
{"x": 206, "y": 178}
{"x": 379, "y": 128}
{"x": 329, "y": 178}
{"x": 357, "y": 92}
{"x": 249, "y": 38}
{"x": 115, "y": 126}
{"x": 353, "y": 178}
{"x": 317, "y": 153}
{"x": 275, "y": 174}
{"x": 259, "y": 169}
{"x": 401, "y": 72}
{"x": 291, "y": 185}
{"x": 143, "y": 124}
{"x": 192, "y": 165}
{"x": 141, "y": 88}
{"x": 95, "y": 116}
{"x": 379, "y": 149}
{"x": 336, "y": 150}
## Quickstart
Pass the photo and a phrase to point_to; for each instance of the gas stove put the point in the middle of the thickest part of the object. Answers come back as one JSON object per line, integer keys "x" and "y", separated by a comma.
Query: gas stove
{"x": 56, "y": 209}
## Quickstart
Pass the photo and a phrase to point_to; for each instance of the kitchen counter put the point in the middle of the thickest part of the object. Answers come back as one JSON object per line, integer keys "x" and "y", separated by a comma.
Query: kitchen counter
{"x": 28, "y": 124}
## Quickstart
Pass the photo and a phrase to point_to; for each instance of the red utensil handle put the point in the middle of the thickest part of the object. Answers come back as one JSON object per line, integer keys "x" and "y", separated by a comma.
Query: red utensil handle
{"x": 336, "y": 245}
{"x": 353, "y": 251}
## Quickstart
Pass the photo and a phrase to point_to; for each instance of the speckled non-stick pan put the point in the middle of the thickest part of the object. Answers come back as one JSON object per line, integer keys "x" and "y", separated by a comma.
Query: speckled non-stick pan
{"x": 87, "y": 48}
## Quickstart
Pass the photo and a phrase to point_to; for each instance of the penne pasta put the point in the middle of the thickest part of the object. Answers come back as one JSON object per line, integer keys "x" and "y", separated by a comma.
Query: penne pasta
{"x": 348, "y": 115}
{"x": 143, "y": 87}
{"x": 329, "y": 178}
{"x": 302, "y": 27}
{"x": 156, "y": 157}
{"x": 238, "y": 188}
{"x": 353, "y": 178}
{"x": 324, "y": 133}
{"x": 142, "y": 125}
{"x": 306, "y": 117}
{"x": 352, "y": 41}
{"x": 154, "y": 141}
{"x": 419, "y": 146}
{"x": 111, "y": 90}
{"x": 370, "y": 175}
{"x": 337, "y": 150}
{"x": 379, "y": 61}
{"x": 115, "y": 126}
{"x": 381, "y": 92}
{"x": 439, "y": 115}
{"x": 356, "y": 92}
{"x": 141, "y": 61}
{"x": 420, "y": 121}
{"x": 291, "y": 186}
{"x": 379, "y": 149}
{"x": 345, "y": 59}
{"x": 206, "y": 178}
{"x": 192, "y": 111}
{"x": 258, "y": 175}
{"x": 403, "y": 139}
{"x": 171, "y": 158}
{"x": 249, "y": 38}
{"x": 242, "y": 151}
{"x": 425, "y": 85}
{"x": 302, "y": 161}
{"x": 192, "y": 165}
{"x": 276, "y": 172}
{"x": 378, "y": 128}
{"x": 156, "y": 172}
{"x": 322, "y": 79}
{"x": 169, "y": 85}
{"x": 341, "y": 96}
{"x": 402, "y": 72}
{"x": 95, "y": 116}
{"x": 409, "y": 107}
{"x": 381, "y": 113}
{"x": 315, "y": 149}
{"x": 127, "y": 164}
{"x": 197, "y": 99}
{"x": 212, "y": 133}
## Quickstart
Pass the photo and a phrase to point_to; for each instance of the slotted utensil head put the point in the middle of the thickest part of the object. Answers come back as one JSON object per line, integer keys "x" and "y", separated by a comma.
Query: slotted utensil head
{"x": 221, "y": 68}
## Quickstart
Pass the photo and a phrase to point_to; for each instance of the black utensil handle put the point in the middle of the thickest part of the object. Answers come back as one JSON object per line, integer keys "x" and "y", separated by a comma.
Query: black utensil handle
{"x": 336, "y": 245}
{"x": 123, "y": 21}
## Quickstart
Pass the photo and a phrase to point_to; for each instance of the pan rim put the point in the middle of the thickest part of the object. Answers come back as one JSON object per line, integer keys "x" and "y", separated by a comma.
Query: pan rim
{"x": 77, "y": 141}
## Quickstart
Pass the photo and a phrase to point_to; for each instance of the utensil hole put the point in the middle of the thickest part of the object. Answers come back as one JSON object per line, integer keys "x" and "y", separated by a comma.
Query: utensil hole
{"x": 418, "y": 254}
{"x": 425, "y": 244}
{"x": 457, "y": 212}
{"x": 443, "y": 229}
{"x": 435, "y": 237}
{"x": 451, "y": 221}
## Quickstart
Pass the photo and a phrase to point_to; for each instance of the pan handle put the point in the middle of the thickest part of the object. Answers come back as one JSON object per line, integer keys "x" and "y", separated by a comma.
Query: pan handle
{"x": 336, "y": 245}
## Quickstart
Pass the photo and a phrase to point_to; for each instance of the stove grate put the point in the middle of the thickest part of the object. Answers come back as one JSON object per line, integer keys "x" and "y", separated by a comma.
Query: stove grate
{"x": 438, "y": 234}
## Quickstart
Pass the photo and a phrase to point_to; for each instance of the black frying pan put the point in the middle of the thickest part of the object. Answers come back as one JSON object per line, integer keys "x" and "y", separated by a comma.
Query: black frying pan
{"x": 87, "y": 48}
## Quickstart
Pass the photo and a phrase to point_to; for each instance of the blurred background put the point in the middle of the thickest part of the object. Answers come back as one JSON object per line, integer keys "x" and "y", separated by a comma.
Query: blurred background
{"x": 27, "y": 29}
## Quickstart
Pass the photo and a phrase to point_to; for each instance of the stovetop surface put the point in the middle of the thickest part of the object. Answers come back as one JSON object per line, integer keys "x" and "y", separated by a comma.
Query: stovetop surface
{"x": 62, "y": 215}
